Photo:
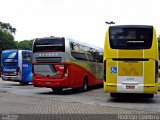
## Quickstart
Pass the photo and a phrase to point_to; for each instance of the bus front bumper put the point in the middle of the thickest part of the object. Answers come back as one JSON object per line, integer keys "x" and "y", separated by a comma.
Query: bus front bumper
{"x": 11, "y": 78}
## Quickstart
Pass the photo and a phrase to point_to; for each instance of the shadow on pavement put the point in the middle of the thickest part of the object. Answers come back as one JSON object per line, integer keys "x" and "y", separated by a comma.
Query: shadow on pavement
{"x": 132, "y": 98}
{"x": 16, "y": 84}
{"x": 70, "y": 91}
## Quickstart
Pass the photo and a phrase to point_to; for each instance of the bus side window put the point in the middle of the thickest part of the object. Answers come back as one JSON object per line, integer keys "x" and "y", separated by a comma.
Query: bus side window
{"x": 71, "y": 46}
{"x": 79, "y": 56}
{"x": 101, "y": 58}
{"x": 90, "y": 57}
{"x": 95, "y": 56}
{"x": 26, "y": 57}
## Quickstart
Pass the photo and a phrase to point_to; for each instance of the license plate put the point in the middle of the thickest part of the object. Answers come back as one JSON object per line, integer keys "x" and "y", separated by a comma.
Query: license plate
{"x": 9, "y": 78}
{"x": 47, "y": 82}
{"x": 130, "y": 87}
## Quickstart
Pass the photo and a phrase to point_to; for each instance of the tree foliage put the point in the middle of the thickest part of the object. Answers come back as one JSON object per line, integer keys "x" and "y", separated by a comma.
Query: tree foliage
{"x": 24, "y": 45}
{"x": 6, "y": 37}
{"x": 6, "y": 27}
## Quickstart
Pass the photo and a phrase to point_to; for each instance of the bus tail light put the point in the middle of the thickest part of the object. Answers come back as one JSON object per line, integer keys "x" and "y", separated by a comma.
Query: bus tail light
{"x": 104, "y": 71}
{"x": 156, "y": 71}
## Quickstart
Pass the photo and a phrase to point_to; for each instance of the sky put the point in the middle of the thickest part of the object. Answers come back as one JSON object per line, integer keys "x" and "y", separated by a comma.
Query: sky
{"x": 82, "y": 20}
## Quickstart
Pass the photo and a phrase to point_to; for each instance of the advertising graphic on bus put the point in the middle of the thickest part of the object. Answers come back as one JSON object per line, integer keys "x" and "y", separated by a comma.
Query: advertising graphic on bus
{"x": 60, "y": 62}
{"x": 131, "y": 60}
{"x": 16, "y": 66}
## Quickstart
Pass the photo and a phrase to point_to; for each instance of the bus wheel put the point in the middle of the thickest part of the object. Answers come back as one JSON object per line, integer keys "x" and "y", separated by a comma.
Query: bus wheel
{"x": 85, "y": 84}
{"x": 113, "y": 95}
{"x": 149, "y": 96}
{"x": 24, "y": 83}
{"x": 57, "y": 90}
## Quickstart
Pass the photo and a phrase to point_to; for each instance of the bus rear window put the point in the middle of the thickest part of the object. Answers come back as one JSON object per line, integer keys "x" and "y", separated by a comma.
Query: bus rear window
{"x": 130, "y": 37}
{"x": 49, "y": 44}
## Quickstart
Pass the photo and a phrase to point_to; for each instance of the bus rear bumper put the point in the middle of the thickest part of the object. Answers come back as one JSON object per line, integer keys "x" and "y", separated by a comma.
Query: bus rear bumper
{"x": 51, "y": 83}
{"x": 11, "y": 78}
{"x": 141, "y": 88}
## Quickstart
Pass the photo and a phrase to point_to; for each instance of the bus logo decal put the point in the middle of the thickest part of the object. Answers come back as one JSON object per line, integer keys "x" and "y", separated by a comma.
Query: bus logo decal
{"x": 113, "y": 70}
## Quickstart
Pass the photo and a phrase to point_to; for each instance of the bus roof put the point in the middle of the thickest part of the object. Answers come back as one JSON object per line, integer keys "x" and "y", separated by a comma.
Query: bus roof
{"x": 14, "y": 50}
{"x": 132, "y": 26}
{"x": 72, "y": 40}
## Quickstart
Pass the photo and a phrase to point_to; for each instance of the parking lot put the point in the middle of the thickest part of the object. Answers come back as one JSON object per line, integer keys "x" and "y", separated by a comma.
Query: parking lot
{"x": 26, "y": 100}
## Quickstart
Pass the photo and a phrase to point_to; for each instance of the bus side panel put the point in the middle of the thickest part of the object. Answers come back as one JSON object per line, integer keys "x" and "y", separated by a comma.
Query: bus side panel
{"x": 26, "y": 72}
{"x": 26, "y": 66}
{"x": 77, "y": 73}
{"x": 150, "y": 86}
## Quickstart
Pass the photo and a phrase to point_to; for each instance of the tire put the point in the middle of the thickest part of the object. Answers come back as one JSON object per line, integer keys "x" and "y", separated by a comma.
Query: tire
{"x": 85, "y": 84}
{"x": 24, "y": 83}
{"x": 149, "y": 95}
{"x": 57, "y": 90}
{"x": 113, "y": 95}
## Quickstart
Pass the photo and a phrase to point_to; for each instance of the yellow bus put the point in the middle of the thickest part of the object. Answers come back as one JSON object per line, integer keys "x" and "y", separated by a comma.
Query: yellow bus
{"x": 131, "y": 60}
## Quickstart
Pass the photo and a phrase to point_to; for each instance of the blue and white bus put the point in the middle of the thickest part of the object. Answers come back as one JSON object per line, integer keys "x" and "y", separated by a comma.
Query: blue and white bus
{"x": 16, "y": 66}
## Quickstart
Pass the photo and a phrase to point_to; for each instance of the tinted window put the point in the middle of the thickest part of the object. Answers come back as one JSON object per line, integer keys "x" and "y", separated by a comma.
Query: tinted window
{"x": 101, "y": 58}
{"x": 50, "y": 44}
{"x": 90, "y": 57}
{"x": 130, "y": 37}
{"x": 95, "y": 56}
{"x": 46, "y": 70}
{"x": 26, "y": 57}
{"x": 79, "y": 56}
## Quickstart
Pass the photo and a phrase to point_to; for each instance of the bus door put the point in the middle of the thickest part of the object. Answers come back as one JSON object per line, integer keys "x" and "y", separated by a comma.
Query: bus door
{"x": 26, "y": 66}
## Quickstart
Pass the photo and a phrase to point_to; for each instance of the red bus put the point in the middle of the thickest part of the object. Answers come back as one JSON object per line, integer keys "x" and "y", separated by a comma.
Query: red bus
{"x": 60, "y": 62}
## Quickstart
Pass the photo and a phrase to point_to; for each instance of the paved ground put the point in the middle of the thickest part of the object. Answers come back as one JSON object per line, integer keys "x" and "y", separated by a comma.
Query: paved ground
{"x": 26, "y": 102}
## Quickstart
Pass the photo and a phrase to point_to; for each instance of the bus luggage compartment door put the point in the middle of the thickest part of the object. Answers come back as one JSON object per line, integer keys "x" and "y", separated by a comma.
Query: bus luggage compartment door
{"x": 130, "y": 76}
{"x": 136, "y": 76}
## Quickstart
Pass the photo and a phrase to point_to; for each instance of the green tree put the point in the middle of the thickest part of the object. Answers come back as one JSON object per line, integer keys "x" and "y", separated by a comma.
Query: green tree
{"x": 6, "y": 37}
{"x": 6, "y": 27}
{"x": 24, "y": 45}
{"x": 6, "y": 41}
